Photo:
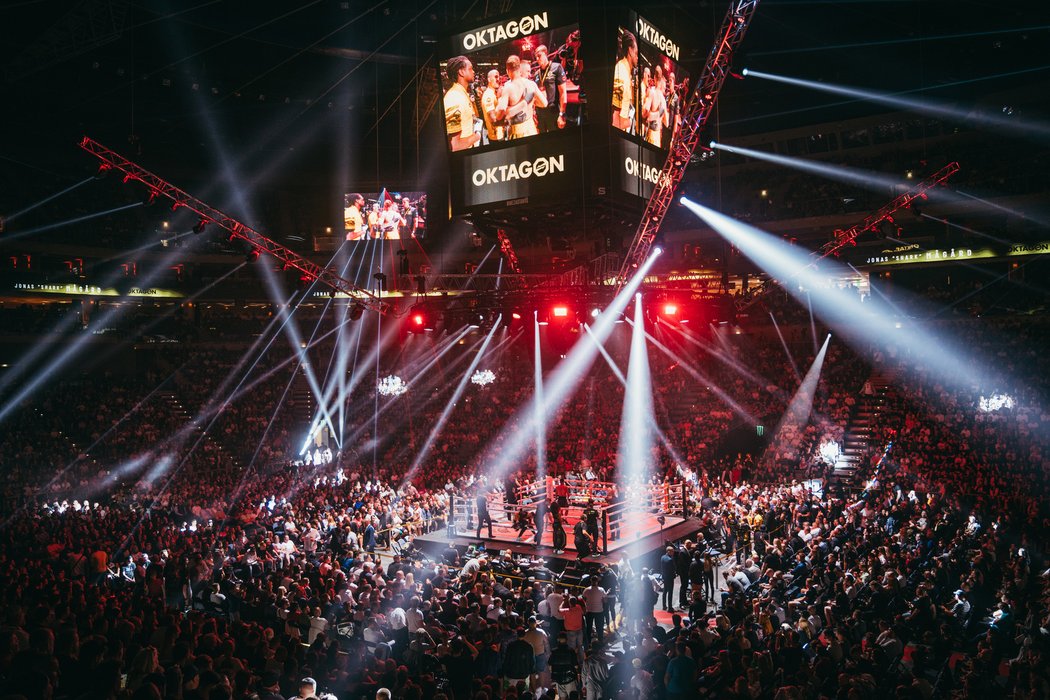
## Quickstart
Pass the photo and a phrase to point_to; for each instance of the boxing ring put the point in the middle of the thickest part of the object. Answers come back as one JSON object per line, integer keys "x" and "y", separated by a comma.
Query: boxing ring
{"x": 623, "y": 519}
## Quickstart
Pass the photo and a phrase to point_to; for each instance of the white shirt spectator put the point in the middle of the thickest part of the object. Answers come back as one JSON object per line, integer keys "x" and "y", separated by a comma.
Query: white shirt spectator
{"x": 318, "y": 625}
{"x": 554, "y": 601}
{"x": 594, "y": 599}
{"x": 397, "y": 619}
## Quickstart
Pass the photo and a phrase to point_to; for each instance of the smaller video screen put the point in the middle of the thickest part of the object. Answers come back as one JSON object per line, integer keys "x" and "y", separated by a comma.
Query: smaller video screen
{"x": 384, "y": 215}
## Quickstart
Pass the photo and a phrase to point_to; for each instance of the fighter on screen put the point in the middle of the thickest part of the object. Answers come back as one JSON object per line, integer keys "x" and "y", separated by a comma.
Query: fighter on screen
{"x": 647, "y": 100}
{"x": 462, "y": 123}
{"x": 536, "y": 95}
{"x": 354, "y": 218}
{"x": 550, "y": 76}
{"x": 520, "y": 99}
{"x": 390, "y": 221}
{"x": 654, "y": 108}
{"x": 624, "y": 78}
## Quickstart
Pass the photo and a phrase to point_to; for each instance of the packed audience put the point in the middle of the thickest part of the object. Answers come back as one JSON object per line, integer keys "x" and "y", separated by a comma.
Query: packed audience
{"x": 142, "y": 559}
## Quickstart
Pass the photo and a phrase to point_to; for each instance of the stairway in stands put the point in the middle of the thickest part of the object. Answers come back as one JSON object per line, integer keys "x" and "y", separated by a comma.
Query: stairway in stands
{"x": 849, "y": 473}
{"x": 175, "y": 406}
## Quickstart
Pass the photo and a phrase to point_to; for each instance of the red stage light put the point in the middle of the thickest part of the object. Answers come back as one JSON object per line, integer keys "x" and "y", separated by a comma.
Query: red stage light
{"x": 516, "y": 316}
{"x": 560, "y": 311}
{"x": 670, "y": 309}
{"x": 418, "y": 319}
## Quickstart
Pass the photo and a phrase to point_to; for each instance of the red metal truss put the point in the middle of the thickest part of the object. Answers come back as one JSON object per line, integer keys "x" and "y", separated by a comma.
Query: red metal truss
{"x": 508, "y": 251}
{"x": 697, "y": 110}
{"x": 849, "y": 236}
{"x": 871, "y": 223}
{"x": 179, "y": 198}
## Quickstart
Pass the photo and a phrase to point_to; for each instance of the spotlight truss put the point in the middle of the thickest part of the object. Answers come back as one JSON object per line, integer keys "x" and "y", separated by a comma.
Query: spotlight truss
{"x": 871, "y": 223}
{"x": 508, "y": 251}
{"x": 236, "y": 229}
{"x": 695, "y": 115}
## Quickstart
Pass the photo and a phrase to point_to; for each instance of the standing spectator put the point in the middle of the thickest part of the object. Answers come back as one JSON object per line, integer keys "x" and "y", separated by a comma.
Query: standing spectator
{"x": 594, "y": 602}
{"x": 370, "y": 536}
{"x": 565, "y": 668}
{"x": 557, "y": 619}
{"x": 541, "y": 650}
{"x": 668, "y": 573}
{"x": 572, "y": 615}
{"x": 519, "y": 660}
{"x": 683, "y": 558}
{"x": 484, "y": 518}
{"x": 680, "y": 677}
{"x": 595, "y": 672}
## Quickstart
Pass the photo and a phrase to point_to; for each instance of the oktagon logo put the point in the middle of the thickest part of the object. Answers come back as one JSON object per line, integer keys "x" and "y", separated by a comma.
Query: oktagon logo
{"x": 502, "y": 32}
{"x": 540, "y": 167}
{"x": 642, "y": 171}
{"x": 651, "y": 35}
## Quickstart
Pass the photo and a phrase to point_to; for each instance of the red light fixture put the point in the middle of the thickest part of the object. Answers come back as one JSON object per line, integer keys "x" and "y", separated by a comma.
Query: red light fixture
{"x": 670, "y": 309}
{"x": 560, "y": 311}
{"x": 418, "y": 319}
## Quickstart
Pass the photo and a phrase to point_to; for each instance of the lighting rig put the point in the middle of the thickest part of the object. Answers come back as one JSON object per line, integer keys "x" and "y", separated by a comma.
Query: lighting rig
{"x": 259, "y": 243}
{"x": 872, "y": 223}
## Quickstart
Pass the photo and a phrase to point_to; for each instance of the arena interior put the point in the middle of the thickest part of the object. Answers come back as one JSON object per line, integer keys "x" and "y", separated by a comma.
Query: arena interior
{"x": 461, "y": 350}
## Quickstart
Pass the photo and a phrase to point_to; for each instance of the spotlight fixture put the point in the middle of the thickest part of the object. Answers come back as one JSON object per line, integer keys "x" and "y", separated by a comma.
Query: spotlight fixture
{"x": 670, "y": 309}
{"x": 355, "y": 313}
{"x": 251, "y": 256}
{"x": 419, "y": 321}
{"x": 560, "y": 311}
{"x": 744, "y": 72}
{"x": 380, "y": 279}
{"x": 199, "y": 226}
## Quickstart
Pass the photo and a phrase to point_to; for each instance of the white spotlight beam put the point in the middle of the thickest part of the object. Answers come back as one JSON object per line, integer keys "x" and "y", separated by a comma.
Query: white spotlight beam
{"x": 701, "y": 378}
{"x": 291, "y": 329}
{"x": 537, "y": 378}
{"x": 929, "y": 106}
{"x": 783, "y": 343}
{"x": 447, "y": 411}
{"x": 865, "y": 179}
{"x": 634, "y": 453}
{"x": 17, "y": 235}
{"x": 723, "y": 356}
{"x": 941, "y": 356}
{"x": 413, "y": 375}
{"x": 801, "y": 407}
{"x": 509, "y": 447}
{"x": 73, "y": 348}
{"x": 11, "y": 217}
{"x": 653, "y": 425}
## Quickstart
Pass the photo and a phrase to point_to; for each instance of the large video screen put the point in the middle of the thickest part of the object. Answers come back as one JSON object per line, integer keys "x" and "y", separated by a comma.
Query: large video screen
{"x": 512, "y": 80}
{"x": 513, "y": 100}
{"x": 388, "y": 215}
{"x": 649, "y": 86}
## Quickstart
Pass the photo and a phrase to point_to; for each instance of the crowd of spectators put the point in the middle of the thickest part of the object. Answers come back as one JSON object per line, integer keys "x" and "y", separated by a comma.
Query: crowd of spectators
{"x": 144, "y": 559}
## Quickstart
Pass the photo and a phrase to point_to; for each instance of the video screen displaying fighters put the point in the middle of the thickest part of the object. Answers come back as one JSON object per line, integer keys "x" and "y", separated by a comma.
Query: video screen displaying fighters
{"x": 384, "y": 215}
{"x": 649, "y": 86}
{"x": 512, "y": 80}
